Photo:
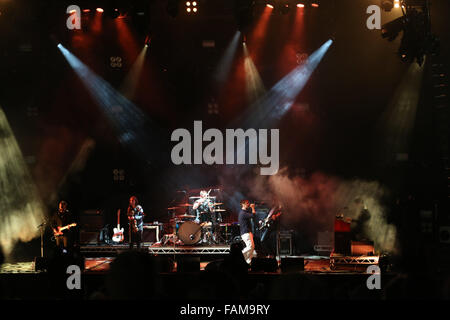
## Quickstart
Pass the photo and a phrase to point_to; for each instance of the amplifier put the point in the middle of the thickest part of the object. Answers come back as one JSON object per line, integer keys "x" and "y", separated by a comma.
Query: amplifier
{"x": 285, "y": 243}
{"x": 151, "y": 233}
{"x": 89, "y": 237}
{"x": 342, "y": 242}
{"x": 91, "y": 220}
{"x": 362, "y": 248}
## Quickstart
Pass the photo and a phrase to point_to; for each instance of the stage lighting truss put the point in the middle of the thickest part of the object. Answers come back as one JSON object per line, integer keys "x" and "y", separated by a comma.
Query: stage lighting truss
{"x": 192, "y": 7}
{"x": 417, "y": 40}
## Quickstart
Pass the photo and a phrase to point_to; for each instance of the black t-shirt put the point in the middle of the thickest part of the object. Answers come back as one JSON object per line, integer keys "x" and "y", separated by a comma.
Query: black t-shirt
{"x": 244, "y": 218}
{"x": 61, "y": 219}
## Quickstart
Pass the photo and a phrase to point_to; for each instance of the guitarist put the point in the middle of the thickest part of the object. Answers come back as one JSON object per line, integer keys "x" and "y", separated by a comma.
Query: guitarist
{"x": 135, "y": 215}
{"x": 62, "y": 218}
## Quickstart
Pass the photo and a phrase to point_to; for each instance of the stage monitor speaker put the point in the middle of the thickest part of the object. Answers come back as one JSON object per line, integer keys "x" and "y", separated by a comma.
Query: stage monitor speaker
{"x": 264, "y": 265}
{"x": 188, "y": 264}
{"x": 362, "y": 248}
{"x": 91, "y": 220}
{"x": 89, "y": 237}
{"x": 292, "y": 264}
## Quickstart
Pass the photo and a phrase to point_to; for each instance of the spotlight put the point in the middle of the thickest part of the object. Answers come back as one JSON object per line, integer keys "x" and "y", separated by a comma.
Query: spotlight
{"x": 191, "y": 6}
{"x": 391, "y": 29}
{"x": 387, "y": 5}
{"x": 285, "y": 8}
{"x": 315, "y": 4}
{"x": 147, "y": 41}
{"x": 300, "y": 5}
{"x": 243, "y": 13}
{"x": 396, "y": 3}
{"x": 269, "y": 5}
{"x": 417, "y": 40}
{"x": 100, "y": 10}
{"x": 113, "y": 13}
{"x": 86, "y": 10}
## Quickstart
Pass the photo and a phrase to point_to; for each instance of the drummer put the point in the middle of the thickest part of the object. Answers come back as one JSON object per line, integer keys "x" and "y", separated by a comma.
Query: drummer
{"x": 203, "y": 209}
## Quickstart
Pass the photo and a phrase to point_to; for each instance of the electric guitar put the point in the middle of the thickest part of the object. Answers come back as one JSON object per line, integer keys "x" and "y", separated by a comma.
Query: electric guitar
{"x": 267, "y": 222}
{"x": 118, "y": 232}
{"x": 59, "y": 231}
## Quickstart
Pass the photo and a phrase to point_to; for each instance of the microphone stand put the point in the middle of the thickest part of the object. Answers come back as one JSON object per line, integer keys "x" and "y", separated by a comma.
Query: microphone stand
{"x": 41, "y": 227}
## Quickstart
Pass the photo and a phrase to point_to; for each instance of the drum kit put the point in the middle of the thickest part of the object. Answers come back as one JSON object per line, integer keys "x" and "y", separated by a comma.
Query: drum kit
{"x": 187, "y": 229}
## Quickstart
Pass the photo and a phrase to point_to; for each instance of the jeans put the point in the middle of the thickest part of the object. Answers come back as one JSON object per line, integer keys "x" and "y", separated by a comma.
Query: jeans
{"x": 249, "y": 246}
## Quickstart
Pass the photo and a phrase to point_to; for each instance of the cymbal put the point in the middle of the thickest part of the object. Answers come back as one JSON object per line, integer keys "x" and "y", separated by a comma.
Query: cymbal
{"x": 173, "y": 208}
{"x": 218, "y": 204}
{"x": 184, "y": 216}
{"x": 185, "y": 205}
{"x": 220, "y": 210}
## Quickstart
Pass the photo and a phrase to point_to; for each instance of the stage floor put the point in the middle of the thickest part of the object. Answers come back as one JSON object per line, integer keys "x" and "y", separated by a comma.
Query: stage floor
{"x": 312, "y": 265}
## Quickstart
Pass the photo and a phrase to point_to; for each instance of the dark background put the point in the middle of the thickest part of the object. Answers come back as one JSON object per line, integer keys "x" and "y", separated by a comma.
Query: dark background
{"x": 346, "y": 97}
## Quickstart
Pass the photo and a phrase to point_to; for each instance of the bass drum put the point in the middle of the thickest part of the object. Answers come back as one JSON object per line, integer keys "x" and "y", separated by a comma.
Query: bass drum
{"x": 189, "y": 232}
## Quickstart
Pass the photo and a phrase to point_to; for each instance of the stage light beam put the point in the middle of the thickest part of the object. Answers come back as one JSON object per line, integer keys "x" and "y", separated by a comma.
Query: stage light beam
{"x": 22, "y": 209}
{"x": 130, "y": 84}
{"x": 131, "y": 125}
{"x": 226, "y": 61}
{"x": 254, "y": 84}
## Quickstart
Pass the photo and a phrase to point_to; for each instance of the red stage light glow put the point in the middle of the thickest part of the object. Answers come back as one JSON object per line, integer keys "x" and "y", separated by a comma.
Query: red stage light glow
{"x": 315, "y": 5}
{"x": 86, "y": 10}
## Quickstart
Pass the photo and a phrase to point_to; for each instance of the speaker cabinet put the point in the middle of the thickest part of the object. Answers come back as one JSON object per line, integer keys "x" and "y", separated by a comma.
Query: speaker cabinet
{"x": 292, "y": 264}
{"x": 342, "y": 242}
{"x": 41, "y": 263}
{"x": 264, "y": 265}
{"x": 89, "y": 237}
{"x": 91, "y": 220}
{"x": 285, "y": 247}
